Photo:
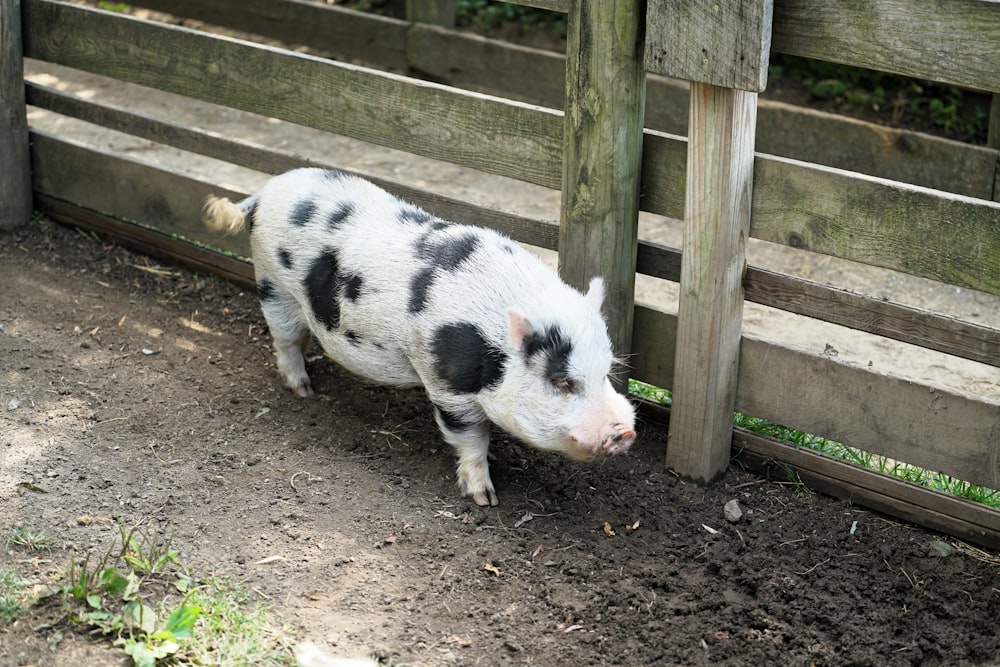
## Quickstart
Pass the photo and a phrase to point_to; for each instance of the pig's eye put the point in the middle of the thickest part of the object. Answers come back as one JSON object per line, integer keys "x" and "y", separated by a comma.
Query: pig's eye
{"x": 565, "y": 385}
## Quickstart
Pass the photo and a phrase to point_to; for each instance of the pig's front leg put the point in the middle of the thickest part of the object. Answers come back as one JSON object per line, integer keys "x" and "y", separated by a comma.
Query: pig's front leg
{"x": 471, "y": 440}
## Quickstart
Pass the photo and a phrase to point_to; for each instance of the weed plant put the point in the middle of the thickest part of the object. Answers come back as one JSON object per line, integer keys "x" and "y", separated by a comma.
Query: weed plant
{"x": 146, "y": 602}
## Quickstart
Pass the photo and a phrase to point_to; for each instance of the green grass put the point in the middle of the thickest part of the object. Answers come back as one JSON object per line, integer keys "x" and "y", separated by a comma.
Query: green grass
{"x": 838, "y": 450}
{"x": 29, "y": 539}
{"x": 12, "y": 597}
{"x": 140, "y": 598}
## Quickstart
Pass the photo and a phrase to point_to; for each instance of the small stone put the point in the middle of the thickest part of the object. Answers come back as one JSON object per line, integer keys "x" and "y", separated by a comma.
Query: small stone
{"x": 732, "y": 511}
{"x": 14, "y": 404}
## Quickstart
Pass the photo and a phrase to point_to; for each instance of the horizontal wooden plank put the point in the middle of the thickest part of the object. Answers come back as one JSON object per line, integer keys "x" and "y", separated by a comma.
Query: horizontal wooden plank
{"x": 927, "y": 233}
{"x": 931, "y": 427}
{"x": 964, "y": 519}
{"x": 827, "y": 211}
{"x": 955, "y": 41}
{"x": 270, "y": 160}
{"x": 726, "y": 44}
{"x": 326, "y": 27}
{"x": 873, "y": 315}
{"x": 164, "y": 201}
{"x": 552, "y": 5}
{"x": 497, "y": 136}
{"x": 781, "y": 291}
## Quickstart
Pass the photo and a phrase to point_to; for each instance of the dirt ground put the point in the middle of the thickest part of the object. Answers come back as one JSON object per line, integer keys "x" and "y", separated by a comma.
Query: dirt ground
{"x": 355, "y": 494}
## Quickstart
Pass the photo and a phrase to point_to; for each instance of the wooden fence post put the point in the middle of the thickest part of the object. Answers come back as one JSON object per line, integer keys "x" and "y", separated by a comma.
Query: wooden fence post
{"x": 602, "y": 151}
{"x": 993, "y": 139}
{"x": 723, "y": 49}
{"x": 15, "y": 167}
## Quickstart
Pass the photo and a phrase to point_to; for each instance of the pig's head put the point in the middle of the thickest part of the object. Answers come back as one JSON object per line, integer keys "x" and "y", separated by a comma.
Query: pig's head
{"x": 556, "y": 394}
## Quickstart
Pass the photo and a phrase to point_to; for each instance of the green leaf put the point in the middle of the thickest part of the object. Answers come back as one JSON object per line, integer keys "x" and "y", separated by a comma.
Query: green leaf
{"x": 94, "y": 600}
{"x": 132, "y": 587}
{"x": 181, "y": 622}
{"x": 113, "y": 581}
{"x": 144, "y": 655}
{"x": 139, "y": 616}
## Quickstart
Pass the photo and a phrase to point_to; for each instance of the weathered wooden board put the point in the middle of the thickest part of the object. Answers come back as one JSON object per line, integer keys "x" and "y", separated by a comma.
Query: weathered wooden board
{"x": 438, "y": 12}
{"x": 654, "y": 346}
{"x": 823, "y": 302}
{"x": 602, "y": 142}
{"x": 273, "y": 161}
{"x": 128, "y": 189}
{"x": 488, "y": 65}
{"x": 15, "y": 174}
{"x": 552, "y": 5}
{"x": 726, "y": 44}
{"x": 953, "y": 41}
{"x": 710, "y": 308}
{"x": 497, "y": 136}
{"x": 497, "y": 67}
{"x": 949, "y": 238}
{"x": 871, "y": 314}
{"x": 965, "y": 519}
{"x": 346, "y": 33}
{"x": 931, "y": 427}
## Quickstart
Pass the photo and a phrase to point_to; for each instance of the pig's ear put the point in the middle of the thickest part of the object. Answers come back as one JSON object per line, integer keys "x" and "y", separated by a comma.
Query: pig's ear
{"x": 595, "y": 293}
{"x": 520, "y": 329}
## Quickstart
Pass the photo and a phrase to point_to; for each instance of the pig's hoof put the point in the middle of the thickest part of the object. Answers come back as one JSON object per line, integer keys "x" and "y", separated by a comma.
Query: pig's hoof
{"x": 303, "y": 389}
{"x": 487, "y": 498}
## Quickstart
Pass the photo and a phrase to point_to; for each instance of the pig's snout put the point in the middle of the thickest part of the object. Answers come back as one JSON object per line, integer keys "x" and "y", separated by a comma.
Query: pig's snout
{"x": 620, "y": 440}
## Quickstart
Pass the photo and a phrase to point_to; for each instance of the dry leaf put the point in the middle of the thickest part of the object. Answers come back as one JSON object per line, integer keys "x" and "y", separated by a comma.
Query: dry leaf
{"x": 391, "y": 539}
{"x": 711, "y": 531}
{"x": 537, "y": 551}
{"x": 269, "y": 560}
{"x": 634, "y": 526}
{"x": 489, "y": 567}
{"x": 607, "y": 530}
{"x": 528, "y": 516}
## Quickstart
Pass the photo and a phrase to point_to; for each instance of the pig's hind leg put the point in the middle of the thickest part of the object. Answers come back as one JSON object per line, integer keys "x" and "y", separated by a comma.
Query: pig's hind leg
{"x": 471, "y": 441}
{"x": 290, "y": 332}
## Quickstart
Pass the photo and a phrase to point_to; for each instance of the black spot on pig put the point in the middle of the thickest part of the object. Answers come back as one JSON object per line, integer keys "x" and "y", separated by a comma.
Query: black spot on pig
{"x": 450, "y": 252}
{"x": 553, "y": 346}
{"x": 321, "y": 283}
{"x": 266, "y": 290}
{"x": 438, "y": 225}
{"x": 352, "y": 337}
{"x": 352, "y": 287}
{"x": 339, "y": 215}
{"x": 464, "y": 361}
{"x": 419, "y": 289}
{"x": 285, "y": 258}
{"x": 452, "y": 421}
{"x": 302, "y": 212}
{"x": 414, "y": 214}
{"x": 333, "y": 174}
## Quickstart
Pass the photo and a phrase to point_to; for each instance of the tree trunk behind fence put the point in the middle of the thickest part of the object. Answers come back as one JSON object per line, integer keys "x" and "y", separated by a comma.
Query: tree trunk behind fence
{"x": 15, "y": 168}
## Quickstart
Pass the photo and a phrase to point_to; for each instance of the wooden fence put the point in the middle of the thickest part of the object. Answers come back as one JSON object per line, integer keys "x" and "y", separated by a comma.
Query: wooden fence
{"x": 919, "y": 205}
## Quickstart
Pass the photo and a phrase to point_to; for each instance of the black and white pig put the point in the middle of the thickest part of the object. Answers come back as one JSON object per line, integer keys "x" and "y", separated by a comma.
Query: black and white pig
{"x": 400, "y": 297}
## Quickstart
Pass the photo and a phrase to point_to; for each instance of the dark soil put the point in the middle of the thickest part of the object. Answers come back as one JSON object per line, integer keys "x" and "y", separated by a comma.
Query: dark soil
{"x": 614, "y": 563}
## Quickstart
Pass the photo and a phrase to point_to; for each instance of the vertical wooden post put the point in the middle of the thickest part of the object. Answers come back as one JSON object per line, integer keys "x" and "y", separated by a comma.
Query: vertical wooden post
{"x": 723, "y": 48}
{"x": 710, "y": 313}
{"x": 436, "y": 12}
{"x": 602, "y": 152}
{"x": 15, "y": 168}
